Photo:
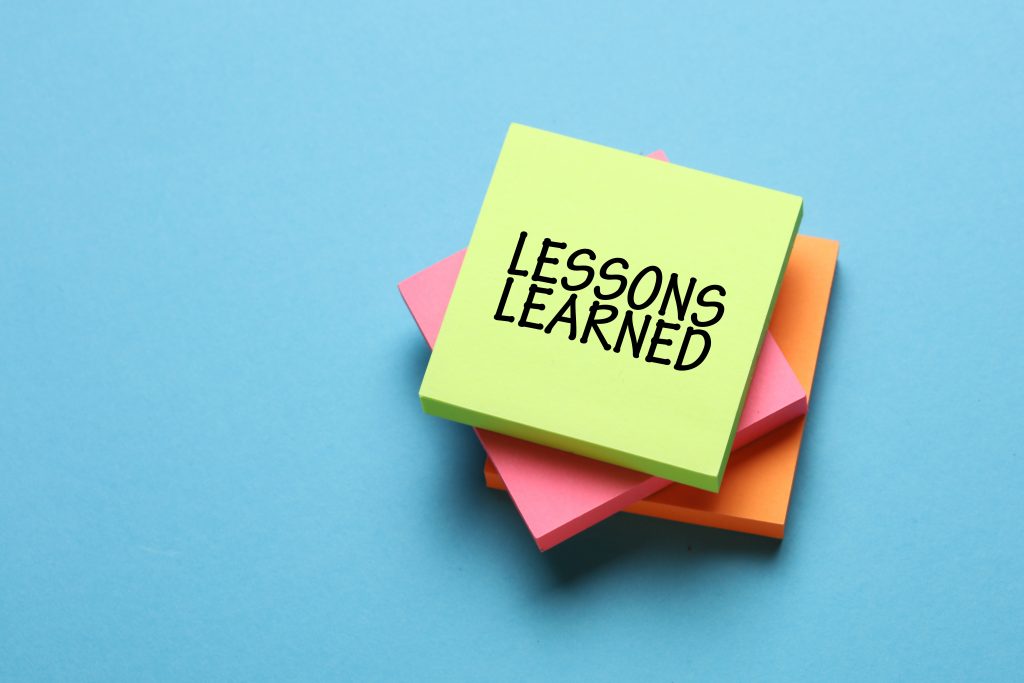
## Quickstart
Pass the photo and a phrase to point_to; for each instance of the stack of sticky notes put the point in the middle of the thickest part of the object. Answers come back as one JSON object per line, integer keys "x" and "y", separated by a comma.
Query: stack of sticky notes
{"x": 627, "y": 334}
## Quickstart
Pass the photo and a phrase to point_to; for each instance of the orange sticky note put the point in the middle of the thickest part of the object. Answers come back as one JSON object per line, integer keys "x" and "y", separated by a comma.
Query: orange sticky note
{"x": 755, "y": 492}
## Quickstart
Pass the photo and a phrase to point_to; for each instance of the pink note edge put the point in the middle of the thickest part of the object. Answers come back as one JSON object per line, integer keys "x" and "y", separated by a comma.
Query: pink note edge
{"x": 559, "y": 494}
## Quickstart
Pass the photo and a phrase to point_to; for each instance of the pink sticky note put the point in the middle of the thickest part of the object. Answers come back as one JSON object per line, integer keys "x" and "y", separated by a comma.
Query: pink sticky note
{"x": 560, "y": 494}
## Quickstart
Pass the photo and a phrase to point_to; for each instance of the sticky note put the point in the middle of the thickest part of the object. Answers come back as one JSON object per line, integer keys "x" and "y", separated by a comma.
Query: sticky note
{"x": 755, "y": 493}
{"x": 611, "y": 306}
{"x": 560, "y": 494}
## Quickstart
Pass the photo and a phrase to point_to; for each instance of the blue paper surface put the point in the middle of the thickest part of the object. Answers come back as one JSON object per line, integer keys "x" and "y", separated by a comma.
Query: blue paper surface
{"x": 213, "y": 463}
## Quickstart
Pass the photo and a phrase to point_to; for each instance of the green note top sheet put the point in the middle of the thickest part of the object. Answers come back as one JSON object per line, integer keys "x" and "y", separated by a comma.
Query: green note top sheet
{"x": 611, "y": 305}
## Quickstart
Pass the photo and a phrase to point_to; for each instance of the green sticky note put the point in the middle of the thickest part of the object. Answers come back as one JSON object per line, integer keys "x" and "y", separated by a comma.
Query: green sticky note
{"x": 611, "y": 305}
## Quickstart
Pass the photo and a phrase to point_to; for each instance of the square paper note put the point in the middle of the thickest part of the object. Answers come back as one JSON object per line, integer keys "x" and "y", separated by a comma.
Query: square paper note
{"x": 612, "y": 306}
{"x": 755, "y": 492}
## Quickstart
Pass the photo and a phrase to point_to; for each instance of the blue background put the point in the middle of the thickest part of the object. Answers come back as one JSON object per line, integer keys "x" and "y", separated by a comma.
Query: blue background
{"x": 213, "y": 464}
